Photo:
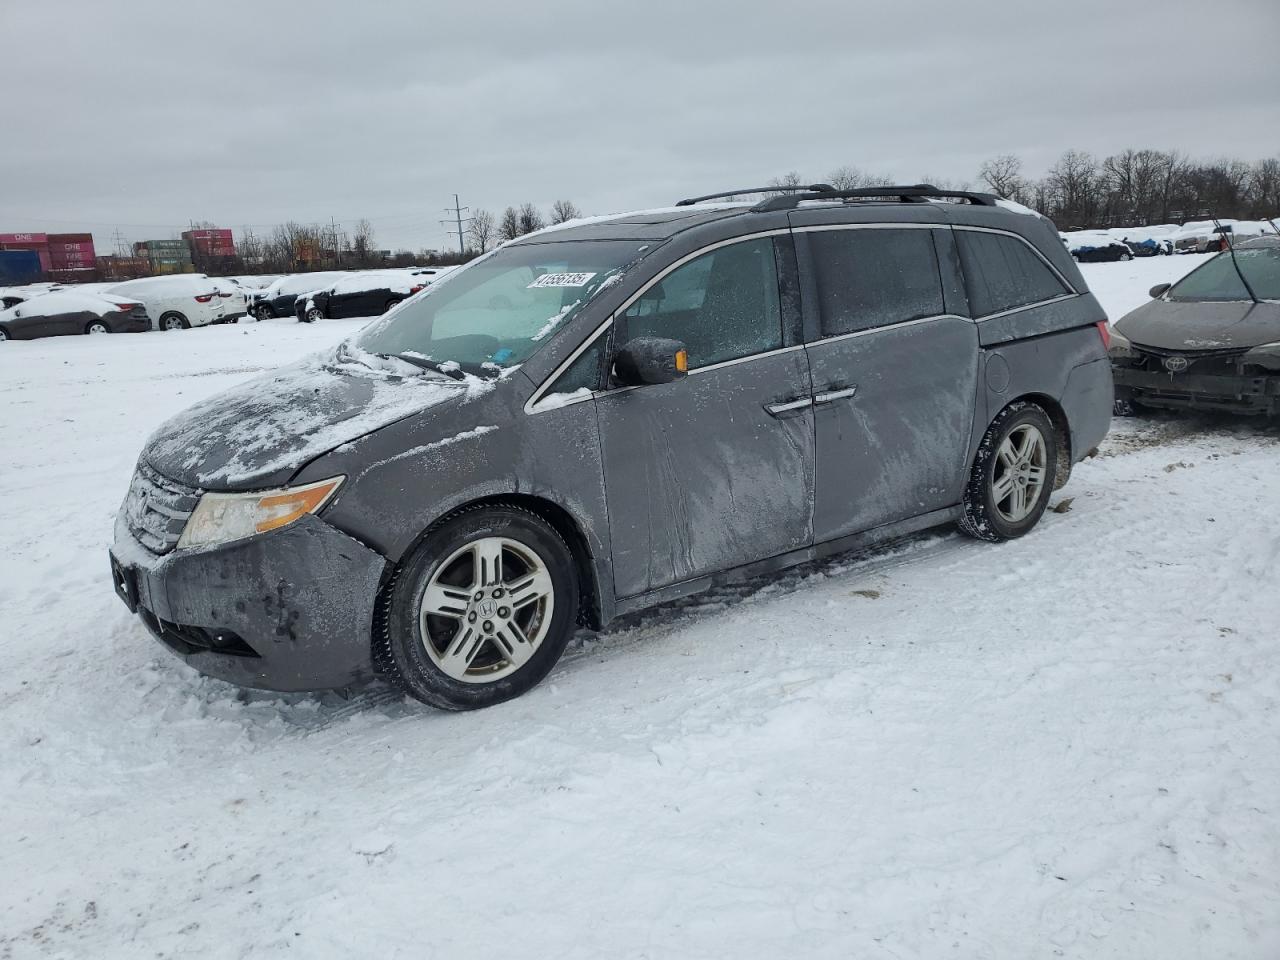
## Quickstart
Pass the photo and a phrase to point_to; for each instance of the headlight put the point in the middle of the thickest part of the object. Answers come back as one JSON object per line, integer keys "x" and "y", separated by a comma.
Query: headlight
{"x": 1266, "y": 356}
{"x": 1120, "y": 345}
{"x": 221, "y": 517}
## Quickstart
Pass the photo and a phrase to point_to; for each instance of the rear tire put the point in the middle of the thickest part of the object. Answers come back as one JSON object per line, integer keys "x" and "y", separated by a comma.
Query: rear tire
{"x": 174, "y": 321}
{"x": 4, "y": 334}
{"x": 391, "y": 305}
{"x": 97, "y": 326}
{"x": 1013, "y": 474}
{"x": 498, "y": 633}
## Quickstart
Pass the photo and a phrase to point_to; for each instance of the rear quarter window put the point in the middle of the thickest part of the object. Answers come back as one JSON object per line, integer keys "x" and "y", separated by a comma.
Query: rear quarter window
{"x": 1003, "y": 273}
{"x": 874, "y": 277}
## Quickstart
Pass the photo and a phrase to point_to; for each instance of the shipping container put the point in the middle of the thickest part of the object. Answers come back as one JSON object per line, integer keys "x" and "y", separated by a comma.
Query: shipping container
{"x": 71, "y": 238}
{"x": 23, "y": 238}
{"x": 70, "y": 247}
{"x": 19, "y": 266}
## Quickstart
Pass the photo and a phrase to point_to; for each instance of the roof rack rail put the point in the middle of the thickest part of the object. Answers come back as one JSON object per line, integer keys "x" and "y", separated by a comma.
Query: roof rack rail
{"x": 913, "y": 193}
{"x": 822, "y": 187}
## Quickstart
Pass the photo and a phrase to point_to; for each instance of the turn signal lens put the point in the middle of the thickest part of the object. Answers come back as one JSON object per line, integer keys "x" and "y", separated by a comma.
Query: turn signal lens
{"x": 281, "y": 509}
{"x": 223, "y": 517}
{"x": 682, "y": 361}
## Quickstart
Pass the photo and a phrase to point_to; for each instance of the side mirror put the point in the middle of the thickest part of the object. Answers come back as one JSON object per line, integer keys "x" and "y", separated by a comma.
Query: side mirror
{"x": 1159, "y": 290}
{"x": 650, "y": 360}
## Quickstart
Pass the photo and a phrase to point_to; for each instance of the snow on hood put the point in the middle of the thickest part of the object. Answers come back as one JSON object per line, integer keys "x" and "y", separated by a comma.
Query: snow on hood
{"x": 258, "y": 434}
{"x": 1202, "y": 325}
{"x": 50, "y": 304}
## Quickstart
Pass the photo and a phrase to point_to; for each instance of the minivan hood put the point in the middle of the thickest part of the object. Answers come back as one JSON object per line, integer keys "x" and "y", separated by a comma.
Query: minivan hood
{"x": 1202, "y": 325}
{"x": 260, "y": 433}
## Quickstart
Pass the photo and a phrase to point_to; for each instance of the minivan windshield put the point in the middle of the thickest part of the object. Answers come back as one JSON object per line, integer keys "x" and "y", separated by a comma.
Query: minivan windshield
{"x": 1219, "y": 280}
{"x": 494, "y": 313}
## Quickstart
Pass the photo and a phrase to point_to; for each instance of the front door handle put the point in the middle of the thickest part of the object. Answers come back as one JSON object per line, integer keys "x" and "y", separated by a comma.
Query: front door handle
{"x": 831, "y": 396}
{"x": 786, "y": 406}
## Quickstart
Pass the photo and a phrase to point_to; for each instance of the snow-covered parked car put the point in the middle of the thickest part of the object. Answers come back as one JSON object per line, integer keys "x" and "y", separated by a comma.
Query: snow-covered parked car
{"x": 365, "y": 294}
{"x": 1095, "y": 246}
{"x": 1144, "y": 241}
{"x": 177, "y": 301}
{"x": 233, "y": 297}
{"x": 64, "y": 313}
{"x": 279, "y": 297}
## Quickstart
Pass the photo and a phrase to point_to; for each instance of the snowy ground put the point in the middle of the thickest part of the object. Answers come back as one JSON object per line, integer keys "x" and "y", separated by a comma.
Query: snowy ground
{"x": 1066, "y": 746}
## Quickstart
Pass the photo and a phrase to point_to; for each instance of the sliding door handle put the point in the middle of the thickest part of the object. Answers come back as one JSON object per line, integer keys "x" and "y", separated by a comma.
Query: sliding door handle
{"x": 786, "y": 406}
{"x": 831, "y": 396}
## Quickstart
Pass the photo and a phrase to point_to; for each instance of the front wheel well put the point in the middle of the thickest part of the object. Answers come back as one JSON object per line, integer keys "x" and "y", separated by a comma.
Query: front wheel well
{"x": 589, "y": 613}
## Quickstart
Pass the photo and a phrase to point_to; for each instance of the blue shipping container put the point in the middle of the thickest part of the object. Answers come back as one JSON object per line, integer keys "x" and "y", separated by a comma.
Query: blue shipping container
{"x": 19, "y": 266}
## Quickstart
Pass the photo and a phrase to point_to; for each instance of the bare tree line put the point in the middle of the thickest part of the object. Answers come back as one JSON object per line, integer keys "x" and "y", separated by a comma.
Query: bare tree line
{"x": 485, "y": 230}
{"x": 1129, "y": 188}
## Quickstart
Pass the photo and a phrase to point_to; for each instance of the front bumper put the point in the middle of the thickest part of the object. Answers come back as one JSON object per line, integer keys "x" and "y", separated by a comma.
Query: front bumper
{"x": 1192, "y": 391}
{"x": 287, "y": 610}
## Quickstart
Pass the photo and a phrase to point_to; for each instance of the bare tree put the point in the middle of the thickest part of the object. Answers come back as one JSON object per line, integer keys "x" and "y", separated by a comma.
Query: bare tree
{"x": 362, "y": 242}
{"x": 1003, "y": 177}
{"x": 481, "y": 229}
{"x": 851, "y": 178}
{"x": 530, "y": 219}
{"x": 509, "y": 228}
{"x": 787, "y": 182}
{"x": 563, "y": 211}
{"x": 1074, "y": 181}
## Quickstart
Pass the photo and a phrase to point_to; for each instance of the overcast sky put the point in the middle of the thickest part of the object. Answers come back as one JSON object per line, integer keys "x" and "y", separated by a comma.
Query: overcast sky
{"x": 143, "y": 116}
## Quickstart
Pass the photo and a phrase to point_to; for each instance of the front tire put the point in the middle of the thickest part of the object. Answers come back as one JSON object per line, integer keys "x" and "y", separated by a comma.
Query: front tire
{"x": 265, "y": 313}
{"x": 1013, "y": 474}
{"x": 480, "y": 611}
{"x": 174, "y": 321}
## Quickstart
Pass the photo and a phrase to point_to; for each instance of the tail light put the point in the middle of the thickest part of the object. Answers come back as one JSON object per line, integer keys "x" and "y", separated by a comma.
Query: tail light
{"x": 205, "y": 298}
{"x": 128, "y": 307}
{"x": 1105, "y": 332}
{"x": 413, "y": 290}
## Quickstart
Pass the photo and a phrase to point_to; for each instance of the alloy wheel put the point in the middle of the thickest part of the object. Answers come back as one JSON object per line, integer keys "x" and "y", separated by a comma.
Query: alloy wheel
{"x": 486, "y": 609}
{"x": 1020, "y": 473}
{"x": 98, "y": 328}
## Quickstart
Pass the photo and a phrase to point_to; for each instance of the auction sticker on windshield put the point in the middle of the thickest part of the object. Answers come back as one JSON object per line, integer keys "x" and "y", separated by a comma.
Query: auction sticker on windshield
{"x": 561, "y": 280}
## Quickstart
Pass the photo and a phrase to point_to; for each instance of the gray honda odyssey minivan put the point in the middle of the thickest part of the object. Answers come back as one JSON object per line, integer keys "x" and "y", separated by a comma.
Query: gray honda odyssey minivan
{"x": 611, "y": 414}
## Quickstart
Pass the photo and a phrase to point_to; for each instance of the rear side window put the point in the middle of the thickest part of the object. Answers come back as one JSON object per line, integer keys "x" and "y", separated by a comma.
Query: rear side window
{"x": 723, "y": 305}
{"x": 873, "y": 278}
{"x": 1002, "y": 273}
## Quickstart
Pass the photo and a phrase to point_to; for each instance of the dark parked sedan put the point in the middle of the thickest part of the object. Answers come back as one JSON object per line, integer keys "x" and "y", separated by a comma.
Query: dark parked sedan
{"x": 359, "y": 295}
{"x": 1211, "y": 341}
{"x": 64, "y": 313}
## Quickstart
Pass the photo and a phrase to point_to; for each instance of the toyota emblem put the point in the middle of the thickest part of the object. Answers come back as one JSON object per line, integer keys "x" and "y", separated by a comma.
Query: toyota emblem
{"x": 1176, "y": 364}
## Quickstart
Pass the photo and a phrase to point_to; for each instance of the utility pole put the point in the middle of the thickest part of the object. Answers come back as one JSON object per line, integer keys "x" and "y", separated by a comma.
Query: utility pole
{"x": 333, "y": 230}
{"x": 457, "y": 220}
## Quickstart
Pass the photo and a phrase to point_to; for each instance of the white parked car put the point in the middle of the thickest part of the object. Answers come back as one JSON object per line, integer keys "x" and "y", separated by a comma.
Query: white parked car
{"x": 234, "y": 298}
{"x": 175, "y": 302}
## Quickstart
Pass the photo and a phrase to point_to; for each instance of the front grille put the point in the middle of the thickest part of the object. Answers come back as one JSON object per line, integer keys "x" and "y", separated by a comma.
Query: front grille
{"x": 156, "y": 509}
{"x": 1217, "y": 363}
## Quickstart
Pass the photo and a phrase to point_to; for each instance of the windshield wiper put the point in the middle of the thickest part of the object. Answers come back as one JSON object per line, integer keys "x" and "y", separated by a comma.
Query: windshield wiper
{"x": 451, "y": 370}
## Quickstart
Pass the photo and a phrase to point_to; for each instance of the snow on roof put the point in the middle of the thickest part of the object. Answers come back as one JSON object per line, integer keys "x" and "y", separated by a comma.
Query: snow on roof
{"x": 63, "y": 301}
{"x": 397, "y": 281}
{"x": 1015, "y": 207}
{"x": 1088, "y": 240}
{"x": 689, "y": 210}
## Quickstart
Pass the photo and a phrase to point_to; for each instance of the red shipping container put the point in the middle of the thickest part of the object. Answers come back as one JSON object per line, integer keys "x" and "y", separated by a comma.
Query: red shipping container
{"x": 71, "y": 247}
{"x": 72, "y": 260}
{"x": 71, "y": 238}
{"x": 23, "y": 241}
